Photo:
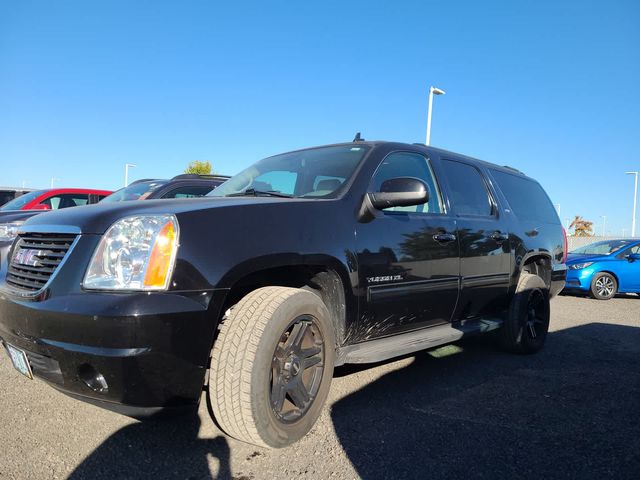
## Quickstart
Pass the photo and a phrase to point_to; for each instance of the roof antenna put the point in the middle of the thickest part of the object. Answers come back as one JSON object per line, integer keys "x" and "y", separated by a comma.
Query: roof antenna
{"x": 358, "y": 138}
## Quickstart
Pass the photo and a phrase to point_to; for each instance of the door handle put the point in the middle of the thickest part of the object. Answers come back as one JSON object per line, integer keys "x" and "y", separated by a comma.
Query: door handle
{"x": 499, "y": 237}
{"x": 444, "y": 237}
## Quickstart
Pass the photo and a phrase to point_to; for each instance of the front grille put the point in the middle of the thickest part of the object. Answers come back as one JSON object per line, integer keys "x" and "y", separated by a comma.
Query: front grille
{"x": 35, "y": 258}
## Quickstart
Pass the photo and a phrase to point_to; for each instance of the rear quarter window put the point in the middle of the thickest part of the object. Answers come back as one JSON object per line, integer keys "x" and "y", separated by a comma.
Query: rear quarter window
{"x": 527, "y": 198}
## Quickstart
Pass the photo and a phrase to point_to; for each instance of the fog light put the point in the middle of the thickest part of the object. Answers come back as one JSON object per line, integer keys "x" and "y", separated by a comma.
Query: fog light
{"x": 92, "y": 378}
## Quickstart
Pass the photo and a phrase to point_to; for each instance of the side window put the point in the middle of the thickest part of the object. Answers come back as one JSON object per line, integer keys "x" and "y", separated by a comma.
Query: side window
{"x": 407, "y": 164}
{"x": 189, "y": 191}
{"x": 527, "y": 198}
{"x": 65, "y": 201}
{"x": 629, "y": 251}
{"x": 468, "y": 192}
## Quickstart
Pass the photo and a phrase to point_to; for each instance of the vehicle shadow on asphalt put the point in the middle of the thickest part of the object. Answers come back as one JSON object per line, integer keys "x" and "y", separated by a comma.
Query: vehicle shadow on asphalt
{"x": 571, "y": 411}
{"x": 160, "y": 448}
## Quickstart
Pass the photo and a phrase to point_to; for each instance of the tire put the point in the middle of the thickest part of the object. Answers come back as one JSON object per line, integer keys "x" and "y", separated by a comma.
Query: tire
{"x": 604, "y": 286}
{"x": 257, "y": 343}
{"x": 527, "y": 323}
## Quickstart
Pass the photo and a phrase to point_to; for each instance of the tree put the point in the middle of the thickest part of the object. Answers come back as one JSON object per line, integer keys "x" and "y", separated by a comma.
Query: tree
{"x": 199, "y": 167}
{"x": 581, "y": 227}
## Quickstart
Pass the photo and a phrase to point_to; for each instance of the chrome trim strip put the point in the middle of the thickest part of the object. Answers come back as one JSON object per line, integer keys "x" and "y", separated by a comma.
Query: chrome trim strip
{"x": 486, "y": 280}
{"x": 393, "y": 290}
{"x": 71, "y": 229}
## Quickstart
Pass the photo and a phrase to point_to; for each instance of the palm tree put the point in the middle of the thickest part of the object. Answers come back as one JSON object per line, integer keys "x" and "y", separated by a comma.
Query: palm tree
{"x": 581, "y": 227}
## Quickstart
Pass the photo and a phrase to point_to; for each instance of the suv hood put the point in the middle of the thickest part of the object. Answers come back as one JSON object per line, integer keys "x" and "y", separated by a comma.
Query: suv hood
{"x": 96, "y": 219}
{"x": 9, "y": 216}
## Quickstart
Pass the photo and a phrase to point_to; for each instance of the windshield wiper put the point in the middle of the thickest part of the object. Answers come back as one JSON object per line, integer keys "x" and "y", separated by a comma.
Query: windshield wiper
{"x": 256, "y": 193}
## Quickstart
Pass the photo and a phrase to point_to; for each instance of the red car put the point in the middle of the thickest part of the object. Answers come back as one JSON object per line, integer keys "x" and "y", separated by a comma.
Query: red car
{"x": 55, "y": 198}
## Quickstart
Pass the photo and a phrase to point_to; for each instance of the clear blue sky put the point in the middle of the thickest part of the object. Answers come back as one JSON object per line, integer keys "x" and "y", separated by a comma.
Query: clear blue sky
{"x": 550, "y": 87}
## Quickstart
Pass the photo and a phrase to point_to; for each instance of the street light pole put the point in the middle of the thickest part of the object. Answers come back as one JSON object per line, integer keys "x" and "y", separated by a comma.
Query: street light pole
{"x": 126, "y": 172}
{"x": 432, "y": 91}
{"x": 604, "y": 225}
{"x": 53, "y": 179}
{"x": 635, "y": 202}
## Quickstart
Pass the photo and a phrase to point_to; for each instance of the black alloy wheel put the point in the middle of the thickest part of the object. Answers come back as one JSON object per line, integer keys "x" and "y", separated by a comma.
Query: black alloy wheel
{"x": 297, "y": 369}
{"x": 537, "y": 315}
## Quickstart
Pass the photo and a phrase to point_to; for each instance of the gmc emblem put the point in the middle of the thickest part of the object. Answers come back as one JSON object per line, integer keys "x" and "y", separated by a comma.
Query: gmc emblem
{"x": 29, "y": 257}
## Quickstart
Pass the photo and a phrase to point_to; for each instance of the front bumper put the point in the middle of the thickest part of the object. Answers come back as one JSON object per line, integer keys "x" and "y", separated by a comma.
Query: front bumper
{"x": 151, "y": 350}
{"x": 579, "y": 279}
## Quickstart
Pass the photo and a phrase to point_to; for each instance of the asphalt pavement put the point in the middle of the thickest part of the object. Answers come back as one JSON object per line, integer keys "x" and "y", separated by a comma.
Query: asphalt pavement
{"x": 463, "y": 411}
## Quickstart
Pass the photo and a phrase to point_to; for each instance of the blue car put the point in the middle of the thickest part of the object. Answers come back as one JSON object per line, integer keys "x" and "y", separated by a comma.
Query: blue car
{"x": 603, "y": 269}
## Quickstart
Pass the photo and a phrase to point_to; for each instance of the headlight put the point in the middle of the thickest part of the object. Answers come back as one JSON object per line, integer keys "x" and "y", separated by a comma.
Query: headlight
{"x": 9, "y": 231}
{"x": 580, "y": 266}
{"x": 136, "y": 253}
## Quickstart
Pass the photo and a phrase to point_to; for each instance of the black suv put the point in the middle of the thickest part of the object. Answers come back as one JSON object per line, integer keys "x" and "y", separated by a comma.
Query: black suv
{"x": 349, "y": 253}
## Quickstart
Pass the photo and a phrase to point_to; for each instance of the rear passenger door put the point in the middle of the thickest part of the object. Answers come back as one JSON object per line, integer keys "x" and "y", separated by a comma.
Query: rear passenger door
{"x": 407, "y": 256}
{"x": 485, "y": 259}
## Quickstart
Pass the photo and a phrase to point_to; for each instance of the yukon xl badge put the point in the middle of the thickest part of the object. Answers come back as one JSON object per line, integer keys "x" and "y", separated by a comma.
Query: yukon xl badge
{"x": 384, "y": 278}
{"x": 29, "y": 257}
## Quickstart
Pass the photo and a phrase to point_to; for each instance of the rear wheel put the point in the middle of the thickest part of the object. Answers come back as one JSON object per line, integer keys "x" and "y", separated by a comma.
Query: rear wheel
{"x": 271, "y": 366}
{"x": 527, "y": 323}
{"x": 603, "y": 286}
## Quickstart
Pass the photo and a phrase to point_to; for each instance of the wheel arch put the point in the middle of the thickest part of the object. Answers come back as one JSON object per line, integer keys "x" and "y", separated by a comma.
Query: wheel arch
{"x": 610, "y": 272}
{"x": 537, "y": 263}
{"x": 323, "y": 275}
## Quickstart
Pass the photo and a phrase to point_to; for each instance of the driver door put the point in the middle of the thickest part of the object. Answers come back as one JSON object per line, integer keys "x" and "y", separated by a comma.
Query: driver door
{"x": 408, "y": 257}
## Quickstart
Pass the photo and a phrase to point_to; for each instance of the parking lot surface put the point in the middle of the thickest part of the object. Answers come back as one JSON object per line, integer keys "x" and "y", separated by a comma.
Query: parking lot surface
{"x": 464, "y": 411}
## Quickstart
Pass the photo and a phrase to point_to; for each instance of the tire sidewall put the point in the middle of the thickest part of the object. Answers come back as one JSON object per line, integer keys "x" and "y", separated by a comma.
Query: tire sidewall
{"x": 594, "y": 291}
{"x": 272, "y": 431}
{"x": 513, "y": 336}
{"x": 529, "y": 344}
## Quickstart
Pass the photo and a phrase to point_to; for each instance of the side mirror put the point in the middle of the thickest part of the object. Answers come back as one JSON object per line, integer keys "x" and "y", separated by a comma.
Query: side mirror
{"x": 41, "y": 206}
{"x": 633, "y": 257}
{"x": 400, "y": 192}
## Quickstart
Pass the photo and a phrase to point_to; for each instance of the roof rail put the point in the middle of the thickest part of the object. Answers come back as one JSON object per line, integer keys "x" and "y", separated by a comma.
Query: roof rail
{"x": 512, "y": 169}
{"x": 143, "y": 180}
{"x": 205, "y": 177}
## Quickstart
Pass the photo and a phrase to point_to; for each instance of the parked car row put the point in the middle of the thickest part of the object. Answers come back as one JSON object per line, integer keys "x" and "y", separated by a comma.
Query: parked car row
{"x": 349, "y": 253}
{"x": 14, "y": 213}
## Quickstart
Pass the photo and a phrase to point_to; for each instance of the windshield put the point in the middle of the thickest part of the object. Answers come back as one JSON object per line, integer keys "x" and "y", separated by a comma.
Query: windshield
{"x": 602, "y": 248}
{"x": 21, "y": 201}
{"x": 313, "y": 173}
{"x": 135, "y": 191}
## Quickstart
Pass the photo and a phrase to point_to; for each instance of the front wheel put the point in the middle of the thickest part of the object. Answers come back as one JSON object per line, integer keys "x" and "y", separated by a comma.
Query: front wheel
{"x": 603, "y": 286}
{"x": 271, "y": 366}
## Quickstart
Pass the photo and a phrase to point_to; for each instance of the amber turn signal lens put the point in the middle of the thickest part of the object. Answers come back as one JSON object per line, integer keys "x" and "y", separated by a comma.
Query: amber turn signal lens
{"x": 161, "y": 258}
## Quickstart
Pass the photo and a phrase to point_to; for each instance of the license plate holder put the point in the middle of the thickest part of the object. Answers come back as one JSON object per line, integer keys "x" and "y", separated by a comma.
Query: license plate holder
{"x": 20, "y": 361}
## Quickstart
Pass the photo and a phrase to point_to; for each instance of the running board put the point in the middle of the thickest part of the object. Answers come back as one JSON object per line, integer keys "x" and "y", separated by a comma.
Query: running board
{"x": 385, "y": 348}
